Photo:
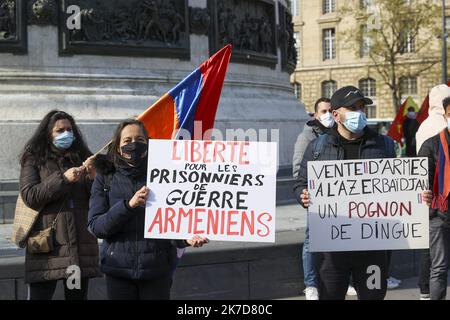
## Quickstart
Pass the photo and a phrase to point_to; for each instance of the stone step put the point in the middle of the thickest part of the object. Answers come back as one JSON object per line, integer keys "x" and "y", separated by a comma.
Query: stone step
{"x": 9, "y": 191}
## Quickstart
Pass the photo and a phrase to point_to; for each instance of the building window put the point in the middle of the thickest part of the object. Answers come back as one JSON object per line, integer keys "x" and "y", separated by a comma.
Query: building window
{"x": 368, "y": 88}
{"x": 328, "y": 88}
{"x": 329, "y": 44}
{"x": 408, "y": 88}
{"x": 366, "y": 41}
{"x": 294, "y": 7}
{"x": 297, "y": 44}
{"x": 298, "y": 90}
{"x": 408, "y": 43}
{"x": 366, "y": 4}
{"x": 329, "y": 6}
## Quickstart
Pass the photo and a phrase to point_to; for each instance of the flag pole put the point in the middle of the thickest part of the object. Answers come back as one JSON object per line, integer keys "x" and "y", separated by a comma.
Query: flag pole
{"x": 96, "y": 154}
{"x": 444, "y": 44}
{"x": 107, "y": 145}
{"x": 103, "y": 148}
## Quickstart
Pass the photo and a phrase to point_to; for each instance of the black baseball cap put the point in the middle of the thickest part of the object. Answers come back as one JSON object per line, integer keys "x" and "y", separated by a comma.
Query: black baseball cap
{"x": 348, "y": 96}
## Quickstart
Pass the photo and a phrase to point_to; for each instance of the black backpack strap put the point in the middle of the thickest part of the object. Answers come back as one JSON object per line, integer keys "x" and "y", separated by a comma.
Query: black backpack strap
{"x": 319, "y": 144}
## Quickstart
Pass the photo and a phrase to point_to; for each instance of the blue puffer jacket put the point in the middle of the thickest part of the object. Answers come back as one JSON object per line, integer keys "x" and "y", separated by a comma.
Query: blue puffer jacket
{"x": 125, "y": 253}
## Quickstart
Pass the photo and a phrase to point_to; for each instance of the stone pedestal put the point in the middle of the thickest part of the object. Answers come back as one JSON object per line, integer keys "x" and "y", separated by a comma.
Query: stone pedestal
{"x": 101, "y": 90}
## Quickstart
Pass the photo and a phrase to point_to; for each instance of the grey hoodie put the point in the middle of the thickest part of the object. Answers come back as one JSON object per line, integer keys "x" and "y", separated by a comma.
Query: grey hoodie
{"x": 311, "y": 131}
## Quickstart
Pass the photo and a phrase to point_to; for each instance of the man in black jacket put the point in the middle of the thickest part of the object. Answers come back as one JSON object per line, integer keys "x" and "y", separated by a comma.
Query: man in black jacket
{"x": 352, "y": 139}
{"x": 410, "y": 127}
{"x": 439, "y": 214}
{"x": 323, "y": 121}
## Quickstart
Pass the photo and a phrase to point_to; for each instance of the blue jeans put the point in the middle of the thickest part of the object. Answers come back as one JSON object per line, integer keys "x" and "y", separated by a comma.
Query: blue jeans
{"x": 309, "y": 263}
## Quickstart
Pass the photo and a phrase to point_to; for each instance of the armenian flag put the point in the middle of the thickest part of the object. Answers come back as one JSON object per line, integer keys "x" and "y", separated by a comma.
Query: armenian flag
{"x": 423, "y": 112}
{"x": 441, "y": 187}
{"x": 195, "y": 98}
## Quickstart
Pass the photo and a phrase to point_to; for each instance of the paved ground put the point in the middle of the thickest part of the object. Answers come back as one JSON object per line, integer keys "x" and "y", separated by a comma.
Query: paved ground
{"x": 289, "y": 217}
{"x": 407, "y": 290}
{"x": 7, "y": 248}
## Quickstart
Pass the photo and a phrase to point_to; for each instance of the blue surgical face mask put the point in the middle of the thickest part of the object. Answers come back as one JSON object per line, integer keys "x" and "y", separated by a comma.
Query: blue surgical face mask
{"x": 411, "y": 115}
{"x": 327, "y": 120}
{"x": 355, "y": 121}
{"x": 448, "y": 123}
{"x": 64, "y": 140}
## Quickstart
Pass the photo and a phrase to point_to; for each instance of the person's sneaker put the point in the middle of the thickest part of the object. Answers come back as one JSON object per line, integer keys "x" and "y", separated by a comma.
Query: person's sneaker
{"x": 392, "y": 284}
{"x": 425, "y": 296}
{"x": 311, "y": 293}
{"x": 351, "y": 291}
{"x": 395, "y": 280}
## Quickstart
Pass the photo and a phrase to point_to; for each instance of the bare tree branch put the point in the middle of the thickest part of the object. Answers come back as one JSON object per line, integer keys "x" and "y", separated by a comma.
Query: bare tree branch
{"x": 397, "y": 21}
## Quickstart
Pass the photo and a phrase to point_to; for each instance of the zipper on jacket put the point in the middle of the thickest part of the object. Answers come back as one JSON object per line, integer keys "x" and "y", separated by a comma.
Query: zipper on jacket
{"x": 136, "y": 234}
{"x": 360, "y": 149}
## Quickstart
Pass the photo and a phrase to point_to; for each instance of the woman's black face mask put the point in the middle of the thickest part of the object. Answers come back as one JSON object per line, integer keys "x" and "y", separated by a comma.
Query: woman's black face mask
{"x": 136, "y": 152}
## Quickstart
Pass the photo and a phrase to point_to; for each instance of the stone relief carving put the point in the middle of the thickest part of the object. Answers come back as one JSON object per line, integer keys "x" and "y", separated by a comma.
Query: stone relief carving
{"x": 158, "y": 27}
{"x": 139, "y": 21}
{"x": 249, "y": 25}
{"x": 291, "y": 50}
{"x": 143, "y": 27}
{"x": 287, "y": 40}
{"x": 250, "y": 31}
{"x": 13, "y": 37}
{"x": 8, "y": 20}
{"x": 200, "y": 20}
{"x": 42, "y": 12}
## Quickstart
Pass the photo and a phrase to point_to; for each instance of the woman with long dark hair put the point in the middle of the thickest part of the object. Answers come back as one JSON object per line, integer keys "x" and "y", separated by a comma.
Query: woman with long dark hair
{"x": 136, "y": 268}
{"x": 55, "y": 179}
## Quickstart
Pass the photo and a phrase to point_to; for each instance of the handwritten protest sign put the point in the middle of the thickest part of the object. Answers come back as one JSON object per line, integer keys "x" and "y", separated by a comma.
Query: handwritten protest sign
{"x": 368, "y": 204}
{"x": 222, "y": 190}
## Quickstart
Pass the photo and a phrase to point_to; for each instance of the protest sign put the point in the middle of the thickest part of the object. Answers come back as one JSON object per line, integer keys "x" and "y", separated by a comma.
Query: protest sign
{"x": 368, "y": 204}
{"x": 222, "y": 190}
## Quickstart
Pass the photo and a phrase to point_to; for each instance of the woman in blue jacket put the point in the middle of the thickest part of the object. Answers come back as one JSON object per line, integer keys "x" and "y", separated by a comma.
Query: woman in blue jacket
{"x": 135, "y": 267}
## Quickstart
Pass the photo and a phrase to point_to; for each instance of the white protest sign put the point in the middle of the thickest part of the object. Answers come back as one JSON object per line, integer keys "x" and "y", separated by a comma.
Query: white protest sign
{"x": 368, "y": 204}
{"x": 222, "y": 190}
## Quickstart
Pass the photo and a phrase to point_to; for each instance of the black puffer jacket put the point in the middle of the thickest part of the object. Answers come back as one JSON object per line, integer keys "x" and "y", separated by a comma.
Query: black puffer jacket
{"x": 125, "y": 253}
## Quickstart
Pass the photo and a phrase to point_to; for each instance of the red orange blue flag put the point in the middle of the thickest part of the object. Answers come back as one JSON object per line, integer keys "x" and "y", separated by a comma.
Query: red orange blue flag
{"x": 195, "y": 98}
{"x": 396, "y": 129}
